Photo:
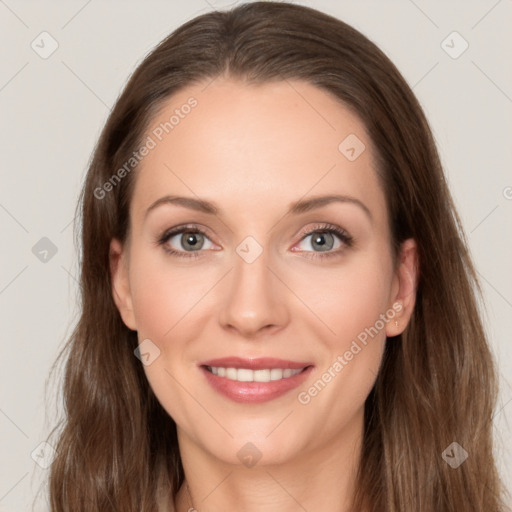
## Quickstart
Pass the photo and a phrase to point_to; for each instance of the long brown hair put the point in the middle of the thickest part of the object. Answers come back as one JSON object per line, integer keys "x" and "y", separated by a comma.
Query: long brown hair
{"x": 117, "y": 449}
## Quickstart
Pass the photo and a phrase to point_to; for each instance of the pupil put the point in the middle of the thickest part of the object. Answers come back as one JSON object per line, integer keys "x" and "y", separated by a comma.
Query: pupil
{"x": 191, "y": 239}
{"x": 320, "y": 240}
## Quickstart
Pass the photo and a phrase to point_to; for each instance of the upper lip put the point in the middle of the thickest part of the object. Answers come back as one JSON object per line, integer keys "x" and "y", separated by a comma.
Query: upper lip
{"x": 259, "y": 363}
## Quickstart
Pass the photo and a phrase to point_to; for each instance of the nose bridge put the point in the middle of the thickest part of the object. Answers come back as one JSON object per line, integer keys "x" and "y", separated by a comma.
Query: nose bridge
{"x": 253, "y": 299}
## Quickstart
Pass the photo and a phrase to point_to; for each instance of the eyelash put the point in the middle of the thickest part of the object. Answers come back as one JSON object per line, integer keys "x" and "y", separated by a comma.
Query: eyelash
{"x": 192, "y": 229}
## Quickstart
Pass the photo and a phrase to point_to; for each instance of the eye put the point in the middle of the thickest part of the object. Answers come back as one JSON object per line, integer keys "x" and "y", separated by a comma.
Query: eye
{"x": 323, "y": 238}
{"x": 185, "y": 241}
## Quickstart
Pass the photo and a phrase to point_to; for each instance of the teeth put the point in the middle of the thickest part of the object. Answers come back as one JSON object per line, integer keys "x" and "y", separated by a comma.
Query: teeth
{"x": 276, "y": 374}
{"x": 231, "y": 373}
{"x": 247, "y": 375}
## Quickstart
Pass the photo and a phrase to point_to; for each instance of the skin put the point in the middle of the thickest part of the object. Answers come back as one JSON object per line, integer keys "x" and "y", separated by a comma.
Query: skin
{"x": 253, "y": 150}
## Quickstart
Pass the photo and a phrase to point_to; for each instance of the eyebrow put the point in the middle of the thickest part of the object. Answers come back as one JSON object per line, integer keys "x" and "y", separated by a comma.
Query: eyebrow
{"x": 295, "y": 208}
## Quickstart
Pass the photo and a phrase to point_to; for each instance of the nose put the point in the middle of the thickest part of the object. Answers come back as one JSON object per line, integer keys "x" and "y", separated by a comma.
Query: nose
{"x": 254, "y": 299}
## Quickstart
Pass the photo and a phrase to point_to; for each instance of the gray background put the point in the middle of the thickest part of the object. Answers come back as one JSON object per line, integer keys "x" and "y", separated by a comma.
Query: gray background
{"x": 52, "y": 110}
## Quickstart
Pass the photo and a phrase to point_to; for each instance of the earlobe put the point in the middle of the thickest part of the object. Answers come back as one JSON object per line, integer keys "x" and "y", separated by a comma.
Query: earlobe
{"x": 120, "y": 283}
{"x": 404, "y": 300}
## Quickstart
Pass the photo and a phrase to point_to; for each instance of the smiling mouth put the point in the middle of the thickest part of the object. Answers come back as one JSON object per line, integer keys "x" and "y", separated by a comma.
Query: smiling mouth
{"x": 248, "y": 375}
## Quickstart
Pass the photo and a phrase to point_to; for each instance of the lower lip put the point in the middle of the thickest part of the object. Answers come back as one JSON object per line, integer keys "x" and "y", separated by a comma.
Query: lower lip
{"x": 254, "y": 392}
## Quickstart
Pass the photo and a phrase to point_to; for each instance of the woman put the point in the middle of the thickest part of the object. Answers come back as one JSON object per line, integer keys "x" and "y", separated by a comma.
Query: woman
{"x": 278, "y": 306}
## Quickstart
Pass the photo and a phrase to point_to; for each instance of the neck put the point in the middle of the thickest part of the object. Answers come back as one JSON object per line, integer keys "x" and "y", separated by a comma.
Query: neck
{"x": 322, "y": 478}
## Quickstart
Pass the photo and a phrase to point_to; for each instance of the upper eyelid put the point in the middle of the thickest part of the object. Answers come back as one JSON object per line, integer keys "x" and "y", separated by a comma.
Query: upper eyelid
{"x": 172, "y": 232}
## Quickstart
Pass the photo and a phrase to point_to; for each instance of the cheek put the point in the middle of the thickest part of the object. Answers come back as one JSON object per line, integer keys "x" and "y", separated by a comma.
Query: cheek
{"x": 351, "y": 301}
{"x": 163, "y": 294}
{"x": 347, "y": 299}
{"x": 353, "y": 305}
{"x": 153, "y": 305}
{"x": 165, "y": 299}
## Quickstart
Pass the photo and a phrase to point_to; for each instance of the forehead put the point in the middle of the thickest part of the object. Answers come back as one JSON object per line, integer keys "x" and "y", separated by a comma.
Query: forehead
{"x": 247, "y": 146}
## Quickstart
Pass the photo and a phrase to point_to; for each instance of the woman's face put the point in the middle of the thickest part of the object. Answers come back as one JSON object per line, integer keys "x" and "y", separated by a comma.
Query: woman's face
{"x": 264, "y": 290}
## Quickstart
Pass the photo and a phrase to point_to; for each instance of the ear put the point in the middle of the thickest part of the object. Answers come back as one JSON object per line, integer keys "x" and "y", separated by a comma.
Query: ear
{"x": 120, "y": 283}
{"x": 403, "y": 296}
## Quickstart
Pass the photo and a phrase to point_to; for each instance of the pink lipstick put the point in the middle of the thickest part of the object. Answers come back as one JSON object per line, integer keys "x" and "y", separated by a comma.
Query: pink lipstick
{"x": 254, "y": 380}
